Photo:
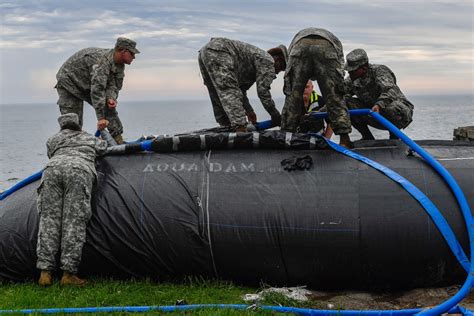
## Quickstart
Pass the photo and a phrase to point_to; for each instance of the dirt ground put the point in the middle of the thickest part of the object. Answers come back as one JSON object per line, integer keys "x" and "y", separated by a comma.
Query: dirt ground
{"x": 416, "y": 298}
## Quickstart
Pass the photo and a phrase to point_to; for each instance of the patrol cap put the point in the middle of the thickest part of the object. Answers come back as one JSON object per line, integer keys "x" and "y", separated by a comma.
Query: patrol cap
{"x": 355, "y": 59}
{"x": 284, "y": 52}
{"x": 128, "y": 44}
{"x": 69, "y": 120}
{"x": 279, "y": 50}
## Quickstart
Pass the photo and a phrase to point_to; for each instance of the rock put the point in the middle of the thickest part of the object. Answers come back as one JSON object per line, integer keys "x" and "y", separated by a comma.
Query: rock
{"x": 464, "y": 133}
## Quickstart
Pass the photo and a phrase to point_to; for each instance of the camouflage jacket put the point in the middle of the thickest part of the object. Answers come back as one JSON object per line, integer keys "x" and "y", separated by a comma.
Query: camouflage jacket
{"x": 76, "y": 148}
{"x": 92, "y": 75}
{"x": 322, "y": 33}
{"x": 251, "y": 65}
{"x": 378, "y": 86}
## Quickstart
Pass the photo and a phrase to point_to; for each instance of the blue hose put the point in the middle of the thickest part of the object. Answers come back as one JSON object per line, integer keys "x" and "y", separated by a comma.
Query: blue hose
{"x": 263, "y": 125}
{"x": 424, "y": 201}
{"x": 280, "y": 309}
{"x": 447, "y": 306}
{"x": 466, "y": 211}
{"x": 21, "y": 184}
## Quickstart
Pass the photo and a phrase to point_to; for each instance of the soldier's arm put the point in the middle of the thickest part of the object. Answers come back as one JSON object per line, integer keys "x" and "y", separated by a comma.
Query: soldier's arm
{"x": 348, "y": 92}
{"x": 100, "y": 146}
{"x": 114, "y": 85}
{"x": 264, "y": 79}
{"x": 49, "y": 149}
{"x": 246, "y": 103}
{"x": 387, "y": 85}
{"x": 99, "y": 80}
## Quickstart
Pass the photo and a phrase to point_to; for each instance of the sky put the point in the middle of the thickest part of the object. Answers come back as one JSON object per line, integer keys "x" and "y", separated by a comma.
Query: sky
{"x": 428, "y": 44}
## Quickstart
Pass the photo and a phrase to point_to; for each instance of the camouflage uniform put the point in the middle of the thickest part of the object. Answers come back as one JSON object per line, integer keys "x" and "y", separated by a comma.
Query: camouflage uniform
{"x": 229, "y": 68}
{"x": 64, "y": 196}
{"x": 91, "y": 75}
{"x": 315, "y": 54}
{"x": 377, "y": 86}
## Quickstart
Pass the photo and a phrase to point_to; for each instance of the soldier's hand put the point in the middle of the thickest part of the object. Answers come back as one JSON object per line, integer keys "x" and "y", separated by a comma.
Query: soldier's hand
{"x": 111, "y": 103}
{"x": 102, "y": 124}
{"x": 376, "y": 108}
{"x": 252, "y": 117}
{"x": 276, "y": 119}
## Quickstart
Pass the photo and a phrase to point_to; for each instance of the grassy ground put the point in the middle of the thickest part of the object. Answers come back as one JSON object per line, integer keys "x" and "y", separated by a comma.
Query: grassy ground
{"x": 105, "y": 293}
{"x": 101, "y": 292}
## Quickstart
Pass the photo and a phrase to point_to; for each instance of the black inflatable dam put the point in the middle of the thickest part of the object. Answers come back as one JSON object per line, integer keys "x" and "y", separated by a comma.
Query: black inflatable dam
{"x": 237, "y": 215}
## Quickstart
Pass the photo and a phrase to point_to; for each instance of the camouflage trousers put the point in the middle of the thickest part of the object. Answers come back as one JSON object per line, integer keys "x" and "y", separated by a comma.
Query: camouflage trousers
{"x": 399, "y": 113}
{"x": 64, "y": 198}
{"x": 314, "y": 58}
{"x": 69, "y": 103}
{"x": 217, "y": 69}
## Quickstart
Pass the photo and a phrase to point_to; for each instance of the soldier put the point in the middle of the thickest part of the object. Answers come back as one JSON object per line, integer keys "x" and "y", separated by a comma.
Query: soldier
{"x": 375, "y": 87}
{"x": 64, "y": 197}
{"x": 229, "y": 68}
{"x": 316, "y": 54}
{"x": 95, "y": 75}
{"x": 313, "y": 103}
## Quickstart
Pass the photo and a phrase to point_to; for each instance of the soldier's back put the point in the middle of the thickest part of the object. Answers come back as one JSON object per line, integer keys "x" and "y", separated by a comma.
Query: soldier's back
{"x": 82, "y": 61}
{"x": 76, "y": 148}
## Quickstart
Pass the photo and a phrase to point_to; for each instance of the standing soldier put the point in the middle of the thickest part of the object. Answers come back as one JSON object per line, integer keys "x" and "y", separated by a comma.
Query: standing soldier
{"x": 229, "y": 68}
{"x": 376, "y": 88}
{"x": 95, "y": 75}
{"x": 316, "y": 54}
{"x": 64, "y": 198}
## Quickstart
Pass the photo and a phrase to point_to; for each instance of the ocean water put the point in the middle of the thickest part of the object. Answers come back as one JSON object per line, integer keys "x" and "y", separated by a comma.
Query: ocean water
{"x": 25, "y": 128}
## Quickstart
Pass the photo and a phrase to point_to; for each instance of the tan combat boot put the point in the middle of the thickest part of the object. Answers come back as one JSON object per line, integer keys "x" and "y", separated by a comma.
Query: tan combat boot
{"x": 46, "y": 279}
{"x": 119, "y": 139}
{"x": 71, "y": 279}
{"x": 345, "y": 141}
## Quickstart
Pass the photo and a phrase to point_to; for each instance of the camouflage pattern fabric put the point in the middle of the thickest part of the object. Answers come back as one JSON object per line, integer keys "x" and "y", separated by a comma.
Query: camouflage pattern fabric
{"x": 91, "y": 75}
{"x": 64, "y": 209}
{"x": 398, "y": 113}
{"x": 64, "y": 198}
{"x": 229, "y": 68}
{"x": 317, "y": 58}
{"x": 378, "y": 86}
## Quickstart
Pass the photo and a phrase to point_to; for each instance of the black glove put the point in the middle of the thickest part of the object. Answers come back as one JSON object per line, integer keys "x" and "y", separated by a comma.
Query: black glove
{"x": 304, "y": 162}
{"x": 297, "y": 163}
{"x": 276, "y": 119}
{"x": 289, "y": 164}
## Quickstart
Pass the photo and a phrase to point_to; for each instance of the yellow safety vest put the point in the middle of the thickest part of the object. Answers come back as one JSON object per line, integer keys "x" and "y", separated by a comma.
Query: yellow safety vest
{"x": 313, "y": 102}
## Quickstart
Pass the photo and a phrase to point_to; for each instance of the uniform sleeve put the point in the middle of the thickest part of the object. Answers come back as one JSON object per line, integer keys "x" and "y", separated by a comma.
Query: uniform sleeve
{"x": 49, "y": 149}
{"x": 387, "y": 85}
{"x": 348, "y": 88}
{"x": 264, "y": 79}
{"x": 114, "y": 85}
{"x": 99, "y": 81}
{"x": 246, "y": 103}
{"x": 100, "y": 146}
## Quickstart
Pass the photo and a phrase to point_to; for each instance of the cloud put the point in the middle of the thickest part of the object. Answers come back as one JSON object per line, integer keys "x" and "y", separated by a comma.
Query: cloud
{"x": 419, "y": 40}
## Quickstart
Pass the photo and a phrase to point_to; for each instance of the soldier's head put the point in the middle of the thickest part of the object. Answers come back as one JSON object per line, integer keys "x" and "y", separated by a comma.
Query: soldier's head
{"x": 125, "y": 50}
{"x": 357, "y": 63}
{"x": 280, "y": 57}
{"x": 308, "y": 89}
{"x": 69, "y": 121}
